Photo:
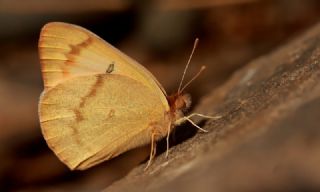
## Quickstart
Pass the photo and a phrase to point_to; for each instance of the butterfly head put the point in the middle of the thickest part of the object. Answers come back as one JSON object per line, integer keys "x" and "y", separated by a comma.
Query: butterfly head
{"x": 179, "y": 103}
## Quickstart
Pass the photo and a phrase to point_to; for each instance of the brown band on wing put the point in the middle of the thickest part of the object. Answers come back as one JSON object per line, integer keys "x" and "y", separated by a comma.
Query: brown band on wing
{"x": 93, "y": 90}
{"x": 74, "y": 52}
{"x": 76, "y": 49}
{"x": 77, "y": 112}
{"x": 92, "y": 93}
{"x": 79, "y": 116}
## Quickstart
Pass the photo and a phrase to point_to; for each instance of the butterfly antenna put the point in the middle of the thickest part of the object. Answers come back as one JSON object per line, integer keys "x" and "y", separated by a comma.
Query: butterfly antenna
{"x": 193, "y": 78}
{"x": 185, "y": 69}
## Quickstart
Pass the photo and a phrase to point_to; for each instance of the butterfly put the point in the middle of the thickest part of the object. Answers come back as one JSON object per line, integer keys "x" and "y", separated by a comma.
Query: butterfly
{"x": 97, "y": 102}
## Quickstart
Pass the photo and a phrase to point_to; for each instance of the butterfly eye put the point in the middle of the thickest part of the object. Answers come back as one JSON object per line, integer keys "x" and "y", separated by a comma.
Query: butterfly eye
{"x": 110, "y": 68}
{"x": 180, "y": 103}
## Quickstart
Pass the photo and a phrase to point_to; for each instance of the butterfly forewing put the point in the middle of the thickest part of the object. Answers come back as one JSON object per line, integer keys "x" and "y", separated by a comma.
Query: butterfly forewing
{"x": 68, "y": 51}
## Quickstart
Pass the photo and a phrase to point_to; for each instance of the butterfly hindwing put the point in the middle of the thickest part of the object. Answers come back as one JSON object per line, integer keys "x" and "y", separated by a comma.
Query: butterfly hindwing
{"x": 88, "y": 119}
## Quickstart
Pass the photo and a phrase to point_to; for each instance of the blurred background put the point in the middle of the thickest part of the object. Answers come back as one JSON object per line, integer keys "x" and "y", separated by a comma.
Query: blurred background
{"x": 159, "y": 34}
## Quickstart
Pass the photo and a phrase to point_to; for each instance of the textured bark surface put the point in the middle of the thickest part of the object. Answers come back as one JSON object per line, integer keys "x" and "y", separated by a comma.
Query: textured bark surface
{"x": 268, "y": 138}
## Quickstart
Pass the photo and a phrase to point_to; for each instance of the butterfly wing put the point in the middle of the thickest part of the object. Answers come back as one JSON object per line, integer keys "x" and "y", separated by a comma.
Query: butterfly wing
{"x": 89, "y": 119}
{"x": 68, "y": 51}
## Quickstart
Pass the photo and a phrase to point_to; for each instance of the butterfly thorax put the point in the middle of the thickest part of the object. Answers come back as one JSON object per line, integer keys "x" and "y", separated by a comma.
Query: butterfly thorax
{"x": 179, "y": 103}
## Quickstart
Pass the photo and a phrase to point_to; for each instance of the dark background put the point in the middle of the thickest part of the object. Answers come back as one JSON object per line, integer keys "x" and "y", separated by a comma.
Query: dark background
{"x": 159, "y": 34}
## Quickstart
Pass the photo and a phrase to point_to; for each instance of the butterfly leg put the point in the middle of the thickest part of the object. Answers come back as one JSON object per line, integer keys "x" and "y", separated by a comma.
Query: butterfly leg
{"x": 153, "y": 149}
{"x": 168, "y": 136}
{"x": 194, "y": 124}
{"x": 188, "y": 118}
{"x": 204, "y": 116}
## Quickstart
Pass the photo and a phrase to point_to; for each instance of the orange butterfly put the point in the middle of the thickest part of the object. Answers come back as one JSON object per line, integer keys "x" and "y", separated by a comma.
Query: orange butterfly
{"x": 98, "y": 102}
